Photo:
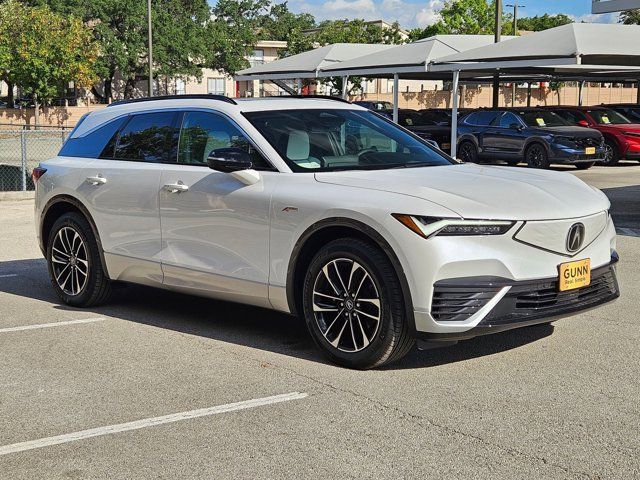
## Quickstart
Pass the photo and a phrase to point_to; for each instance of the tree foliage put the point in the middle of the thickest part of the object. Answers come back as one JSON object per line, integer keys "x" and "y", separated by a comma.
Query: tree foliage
{"x": 543, "y": 22}
{"x": 41, "y": 51}
{"x": 630, "y": 17}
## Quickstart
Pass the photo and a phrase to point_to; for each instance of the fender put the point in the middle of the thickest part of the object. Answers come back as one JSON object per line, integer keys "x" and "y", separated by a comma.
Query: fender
{"x": 65, "y": 198}
{"x": 369, "y": 232}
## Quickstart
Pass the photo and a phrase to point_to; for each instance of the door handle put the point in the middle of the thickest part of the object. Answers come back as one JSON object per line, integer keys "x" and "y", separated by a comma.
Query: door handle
{"x": 97, "y": 180}
{"x": 176, "y": 187}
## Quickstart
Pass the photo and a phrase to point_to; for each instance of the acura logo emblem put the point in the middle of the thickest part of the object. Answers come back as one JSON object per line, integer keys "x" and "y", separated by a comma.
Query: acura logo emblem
{"x": 575, "y": 237}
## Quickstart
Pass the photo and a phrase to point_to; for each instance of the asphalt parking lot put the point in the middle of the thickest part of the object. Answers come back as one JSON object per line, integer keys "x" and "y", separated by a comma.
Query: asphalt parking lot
{"x": 161, "y": 385}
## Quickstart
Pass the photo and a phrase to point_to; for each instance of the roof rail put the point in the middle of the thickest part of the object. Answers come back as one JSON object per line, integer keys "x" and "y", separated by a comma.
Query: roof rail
{"x": 322, "y": 97}
{"x": 191, "y": 96}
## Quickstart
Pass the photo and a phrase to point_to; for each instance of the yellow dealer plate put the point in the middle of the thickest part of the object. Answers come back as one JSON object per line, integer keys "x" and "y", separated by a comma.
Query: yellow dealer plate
{"x": 575, "y": 274}
{"x": 590, "y": 150}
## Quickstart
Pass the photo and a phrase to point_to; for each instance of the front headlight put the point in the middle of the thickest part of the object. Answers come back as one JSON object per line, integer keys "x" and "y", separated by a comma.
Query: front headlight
{"x": 565, "y": 141}
{"x": 428, "y": 227}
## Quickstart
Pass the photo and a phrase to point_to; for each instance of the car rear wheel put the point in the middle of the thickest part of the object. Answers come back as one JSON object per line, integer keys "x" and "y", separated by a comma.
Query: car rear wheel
{"x": 584, "y": 165}
{"x": 354, "y": 307}
{"x": 467, "y": 152}
{"x": 536, "y": 156}
{"x": 611, "y": 154}
{"x": 74, "y": 263}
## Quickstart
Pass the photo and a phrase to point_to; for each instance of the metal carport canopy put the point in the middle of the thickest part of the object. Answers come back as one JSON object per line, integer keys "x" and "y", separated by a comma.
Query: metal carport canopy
{"x": 308, "y": 64}
{"x": 577, "y": 50}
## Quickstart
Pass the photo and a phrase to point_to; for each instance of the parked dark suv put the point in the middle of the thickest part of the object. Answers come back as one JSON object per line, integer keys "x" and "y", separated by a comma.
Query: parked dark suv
{"x": 538, "y": 137}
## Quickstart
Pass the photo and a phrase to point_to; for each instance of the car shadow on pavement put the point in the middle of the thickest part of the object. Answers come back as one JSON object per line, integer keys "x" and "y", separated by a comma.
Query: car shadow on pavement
{"x": 234, "y": 323}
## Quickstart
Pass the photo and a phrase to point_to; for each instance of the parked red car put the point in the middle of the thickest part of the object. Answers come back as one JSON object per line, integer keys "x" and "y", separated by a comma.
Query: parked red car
{"x": 621, "y": 136}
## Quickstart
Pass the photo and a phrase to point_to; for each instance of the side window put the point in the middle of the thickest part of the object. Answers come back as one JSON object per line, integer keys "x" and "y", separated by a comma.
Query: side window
{"x": 92, "y": 144}
{"x": 485, "y": 118}
{"x": 472, "y": 119}
{"x": 148, "y": 137}
{"x": 507, "y": 119}
{"x": 204, "y": 132}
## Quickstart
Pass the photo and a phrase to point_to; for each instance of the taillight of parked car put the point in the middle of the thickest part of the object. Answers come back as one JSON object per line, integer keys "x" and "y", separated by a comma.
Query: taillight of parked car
{"x": 37, "y": 173}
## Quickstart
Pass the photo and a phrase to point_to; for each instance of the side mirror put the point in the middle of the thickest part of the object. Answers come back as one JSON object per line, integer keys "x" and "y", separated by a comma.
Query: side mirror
{"x": 583, "y": 123}
{"x": 229, "y": 160}
{"x": 236, "y": 162}
{"x": 515, "y": 126}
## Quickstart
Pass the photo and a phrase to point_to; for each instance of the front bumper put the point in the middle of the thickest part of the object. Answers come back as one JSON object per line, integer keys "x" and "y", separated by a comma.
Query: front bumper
{"x": 513, "y": 304}
{"x": 561, "y": 154}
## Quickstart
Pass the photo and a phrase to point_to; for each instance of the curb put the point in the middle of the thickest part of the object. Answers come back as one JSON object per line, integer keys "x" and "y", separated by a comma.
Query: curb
{"x": 28, "y": 195}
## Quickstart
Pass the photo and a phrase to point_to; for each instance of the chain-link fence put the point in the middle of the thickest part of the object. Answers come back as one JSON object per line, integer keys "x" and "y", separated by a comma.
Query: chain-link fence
{"x": 22, "y": 150}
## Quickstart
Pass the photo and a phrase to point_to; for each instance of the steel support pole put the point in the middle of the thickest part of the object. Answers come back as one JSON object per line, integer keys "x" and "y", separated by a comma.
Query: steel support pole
{"x": 454, "y": 114}
{"x": 580, "y": 92}
{"x": 396, "y": 84}
{"x": 150, "y": 39}
{"x": 497, "y": 36}
{"x": 528, "y": 94}
{"x": 345, "y": 90}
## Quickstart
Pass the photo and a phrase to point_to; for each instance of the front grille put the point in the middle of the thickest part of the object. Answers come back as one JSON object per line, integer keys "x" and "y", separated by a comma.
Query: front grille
{"x": 587, "y": 142}
{"x": 459, "y": 299}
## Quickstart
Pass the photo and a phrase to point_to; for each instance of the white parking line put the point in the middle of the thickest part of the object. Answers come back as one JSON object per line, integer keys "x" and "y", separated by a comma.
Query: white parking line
{"x": 9, "y": 275}
{"x": 50, "y": 325}
{"x": 148, "y": 422}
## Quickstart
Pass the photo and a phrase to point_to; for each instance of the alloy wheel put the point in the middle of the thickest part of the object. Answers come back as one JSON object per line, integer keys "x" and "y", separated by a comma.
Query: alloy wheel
{"x": 608, "y": 154}
{"x": 536, "y": 157}
{"x": 70, "y": 262}
{"x": 346, "y": 305}
{"x": 467, "y": 153}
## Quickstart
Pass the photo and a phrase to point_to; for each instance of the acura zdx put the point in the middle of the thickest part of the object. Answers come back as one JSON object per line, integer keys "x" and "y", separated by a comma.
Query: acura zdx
{"x": 322, "y": 209}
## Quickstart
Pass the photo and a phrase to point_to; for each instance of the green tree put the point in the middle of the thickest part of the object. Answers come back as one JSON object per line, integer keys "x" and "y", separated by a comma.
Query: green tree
{"x": 463, "y": 17}
{"x": 41, "y": 51}
{"x": 543, "y": 22}
{"x": 233, "y": 33}
{"x": 120, "y": 27}
{"x": 280, "y": 23}
{"x": 630, "y": 17}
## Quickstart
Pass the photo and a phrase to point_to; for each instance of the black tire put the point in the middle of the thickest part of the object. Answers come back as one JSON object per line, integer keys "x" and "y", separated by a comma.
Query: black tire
{"x": 95, "y": 287}
{"x": 467, "y": 152}
{"x": 513, "y": 162}
{"x": 368, "y": 343}
{"x": 584, "y": 165}
{"x": 611, "y": 153}
{"x": 536, "y": 156}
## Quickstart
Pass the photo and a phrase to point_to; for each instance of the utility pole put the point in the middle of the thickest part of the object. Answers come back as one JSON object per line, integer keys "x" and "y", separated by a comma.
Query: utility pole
{"x": 515, "y": 33}
{"x": 498, "y": 32}
{"x": 515, "y": 7}
{"x": 150, "y": 48}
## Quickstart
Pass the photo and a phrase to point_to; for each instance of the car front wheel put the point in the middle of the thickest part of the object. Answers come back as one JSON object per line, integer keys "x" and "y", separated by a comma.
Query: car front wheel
{"x": 354, "y": 307}
{"x": 537, "y": 157}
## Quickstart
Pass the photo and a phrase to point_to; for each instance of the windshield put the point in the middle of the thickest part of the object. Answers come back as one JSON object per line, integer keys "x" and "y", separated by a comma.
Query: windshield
{"x": 317, "y": 140}
{"x": 413, "y": 119}
{"x": 608, "y": 117}
{"x": 541, "y": 119}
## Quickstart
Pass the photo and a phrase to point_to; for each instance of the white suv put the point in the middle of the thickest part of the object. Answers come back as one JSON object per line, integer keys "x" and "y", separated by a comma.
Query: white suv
{"x": 320, "y": 208}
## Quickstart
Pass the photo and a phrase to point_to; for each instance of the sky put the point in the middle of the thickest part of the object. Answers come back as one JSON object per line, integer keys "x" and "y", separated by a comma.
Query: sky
{"x": 413, "y": 13}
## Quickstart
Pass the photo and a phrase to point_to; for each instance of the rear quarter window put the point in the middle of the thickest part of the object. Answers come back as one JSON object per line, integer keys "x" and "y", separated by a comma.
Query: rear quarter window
{"x": 93, "y": 143}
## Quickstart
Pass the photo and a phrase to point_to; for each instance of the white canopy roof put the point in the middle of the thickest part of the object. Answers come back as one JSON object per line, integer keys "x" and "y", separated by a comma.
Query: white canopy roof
{"x": 308, "y": 64}
{"x": 408, "y": 58}
{"x": 574, "y": 44}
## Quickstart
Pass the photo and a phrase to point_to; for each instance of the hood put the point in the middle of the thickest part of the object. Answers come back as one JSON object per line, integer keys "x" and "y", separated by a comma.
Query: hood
{"x": 484, "y": 192}
{"x": 569, "y": 131}
{"x": 622, "y": 127}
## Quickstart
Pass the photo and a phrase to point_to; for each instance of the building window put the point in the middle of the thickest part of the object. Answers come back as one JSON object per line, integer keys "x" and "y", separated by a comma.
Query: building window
{"x": 215, "y": 86}
{"x": 256, "y": 57}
